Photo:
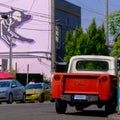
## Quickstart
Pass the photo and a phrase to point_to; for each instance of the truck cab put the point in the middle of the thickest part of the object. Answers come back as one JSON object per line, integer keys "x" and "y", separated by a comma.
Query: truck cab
{"x": 96, "y": 64}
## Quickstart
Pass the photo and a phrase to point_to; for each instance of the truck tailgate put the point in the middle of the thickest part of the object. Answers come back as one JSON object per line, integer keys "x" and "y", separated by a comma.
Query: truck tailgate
{"x": 81, "y": 84}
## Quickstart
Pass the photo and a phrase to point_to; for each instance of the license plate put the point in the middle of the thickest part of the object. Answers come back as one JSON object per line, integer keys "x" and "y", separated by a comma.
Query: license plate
{"x": 80, "y": 97}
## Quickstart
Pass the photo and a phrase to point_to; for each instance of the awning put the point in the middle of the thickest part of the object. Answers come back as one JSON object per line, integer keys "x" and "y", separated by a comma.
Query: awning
{"x": 5, "y": 75}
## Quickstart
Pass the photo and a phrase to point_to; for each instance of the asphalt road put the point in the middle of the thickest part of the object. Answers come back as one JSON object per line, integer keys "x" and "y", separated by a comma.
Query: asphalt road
{"x": 46, "y": 111}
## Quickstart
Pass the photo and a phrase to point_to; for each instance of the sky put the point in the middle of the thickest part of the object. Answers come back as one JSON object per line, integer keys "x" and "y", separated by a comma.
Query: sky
{"x": 95, "y": 9}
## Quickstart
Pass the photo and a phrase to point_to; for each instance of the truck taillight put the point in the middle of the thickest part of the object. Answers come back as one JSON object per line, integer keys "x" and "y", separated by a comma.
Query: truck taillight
{"x": 56, "y": 77}
{"x": 104, "y": 78}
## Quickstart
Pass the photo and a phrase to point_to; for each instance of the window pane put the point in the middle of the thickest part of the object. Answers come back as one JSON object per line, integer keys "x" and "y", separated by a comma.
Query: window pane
{"x": 92, "y": 65}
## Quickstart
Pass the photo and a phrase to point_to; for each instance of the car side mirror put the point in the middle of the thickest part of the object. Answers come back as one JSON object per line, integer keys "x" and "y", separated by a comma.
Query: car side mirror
{"x": 13, "y": 86}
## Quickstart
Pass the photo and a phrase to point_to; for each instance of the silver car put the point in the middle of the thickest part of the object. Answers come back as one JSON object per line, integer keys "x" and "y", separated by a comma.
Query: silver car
{"x": 11, "y": 90}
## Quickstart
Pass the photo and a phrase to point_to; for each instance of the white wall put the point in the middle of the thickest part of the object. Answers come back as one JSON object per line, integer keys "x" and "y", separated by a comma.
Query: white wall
{"x": 38, "y": 29}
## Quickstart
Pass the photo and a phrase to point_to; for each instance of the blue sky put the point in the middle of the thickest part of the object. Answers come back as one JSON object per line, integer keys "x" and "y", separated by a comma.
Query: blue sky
{"x": 95, "y": 9}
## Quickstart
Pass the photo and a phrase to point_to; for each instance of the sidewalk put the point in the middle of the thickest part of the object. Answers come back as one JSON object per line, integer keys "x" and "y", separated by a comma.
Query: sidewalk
{"x": 114, "y": 116}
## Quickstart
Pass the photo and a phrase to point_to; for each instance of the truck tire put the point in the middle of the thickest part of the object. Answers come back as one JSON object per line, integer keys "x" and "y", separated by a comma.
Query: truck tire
{"x": 52, "y": 100}
{"x": 61, "y": 106}
{"x": 79, "y": 107}
{"x": 110, "y": 107}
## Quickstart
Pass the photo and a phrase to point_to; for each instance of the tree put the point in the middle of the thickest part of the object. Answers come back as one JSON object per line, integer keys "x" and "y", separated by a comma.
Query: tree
{"x": 97, "y": 40}
{"x": 116, "y": 48}
{"x": 73, "y": 42}
{"x": 114, "y": 28}
{"x": 69, "y": 46}
{"x": 90, "y": 43}
{"x": 114, "y": 23}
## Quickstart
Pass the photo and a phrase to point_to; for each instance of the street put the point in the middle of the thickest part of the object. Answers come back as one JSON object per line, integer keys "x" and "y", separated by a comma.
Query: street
{"x": 46, "y": 111}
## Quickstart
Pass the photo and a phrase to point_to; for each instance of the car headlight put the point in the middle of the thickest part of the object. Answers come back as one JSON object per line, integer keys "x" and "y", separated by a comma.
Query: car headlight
{"x": 2, "y": 92}
{"x": 37, "y": 92}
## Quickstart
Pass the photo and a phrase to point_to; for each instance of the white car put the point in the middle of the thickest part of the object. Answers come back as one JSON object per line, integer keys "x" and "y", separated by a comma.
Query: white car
{"x": 11, "y": 90}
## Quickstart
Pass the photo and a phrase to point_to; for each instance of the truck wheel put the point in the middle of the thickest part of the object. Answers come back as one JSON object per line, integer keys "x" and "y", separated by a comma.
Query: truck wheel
{"x": 110, "y": 107}
{"x": 52, "y": 100}
{"x": 61, "y": 106}
{"x": 79, "y": 107}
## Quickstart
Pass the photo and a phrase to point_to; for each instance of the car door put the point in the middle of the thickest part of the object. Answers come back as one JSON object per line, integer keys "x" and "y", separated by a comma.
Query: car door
{"x": 21, "y": 90}
{"x": 14, "y": 90}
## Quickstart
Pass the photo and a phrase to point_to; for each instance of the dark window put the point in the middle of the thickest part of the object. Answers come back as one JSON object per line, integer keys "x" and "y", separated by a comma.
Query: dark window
{"x": 46, "y": 86}
{"x": 5, "y": 84}
{"x": 14, "y": 83}
{"x": 118, "y": 67}
{"x": 18, "y": 84}
{"x": 58, "y": 36}
{"x": 92, "y": 65}
{"x": 34, "y": 86}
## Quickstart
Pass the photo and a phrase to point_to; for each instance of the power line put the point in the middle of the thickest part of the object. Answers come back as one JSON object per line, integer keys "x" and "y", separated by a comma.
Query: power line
{"x": 88, "y": 9}
{"x": 8, "y": 1}
{"x": 23, "y": 10}
{"x": 34, "y": 29}
{"x": 31, "y": 13}
{"x": 38, "y": 20}
{"x": 31, "y": 6}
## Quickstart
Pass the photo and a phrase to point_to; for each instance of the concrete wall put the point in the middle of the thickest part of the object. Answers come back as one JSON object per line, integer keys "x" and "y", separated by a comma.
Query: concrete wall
{"x": 67, "y": 18}
{"x": 33, "y": 46}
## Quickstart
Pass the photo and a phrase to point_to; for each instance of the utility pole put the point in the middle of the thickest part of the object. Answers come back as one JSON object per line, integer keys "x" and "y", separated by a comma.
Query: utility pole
{"x": 106, "y": 24}
{"x": 53, "y": 48}
{"x": 27, "y": 74}
{"x": 10, "y": 56}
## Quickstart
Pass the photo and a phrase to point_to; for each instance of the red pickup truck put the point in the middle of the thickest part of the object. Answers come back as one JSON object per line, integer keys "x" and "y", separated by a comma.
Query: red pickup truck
{"x": 89, "y": 80}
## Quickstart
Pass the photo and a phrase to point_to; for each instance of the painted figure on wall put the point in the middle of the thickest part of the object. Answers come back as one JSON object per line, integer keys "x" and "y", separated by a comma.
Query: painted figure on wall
{"x": 8, "y": 22}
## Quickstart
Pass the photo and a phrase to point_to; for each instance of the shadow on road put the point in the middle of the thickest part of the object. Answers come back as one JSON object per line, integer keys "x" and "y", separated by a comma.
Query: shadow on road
{"x": 95, "y": 113}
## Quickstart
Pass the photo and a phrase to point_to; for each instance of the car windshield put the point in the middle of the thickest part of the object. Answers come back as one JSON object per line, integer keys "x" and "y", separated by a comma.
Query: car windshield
{"x": 5, "y": 84}
{"x": 34, "y": 86}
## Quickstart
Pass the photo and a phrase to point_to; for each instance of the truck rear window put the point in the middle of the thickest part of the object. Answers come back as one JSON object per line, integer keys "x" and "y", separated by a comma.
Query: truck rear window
{"x": 92, "y": 65}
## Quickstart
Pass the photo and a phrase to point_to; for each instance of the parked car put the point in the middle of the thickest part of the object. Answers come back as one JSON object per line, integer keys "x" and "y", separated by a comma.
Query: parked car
{"x": 38, "y": 92}
{"x": 11, "y": 90}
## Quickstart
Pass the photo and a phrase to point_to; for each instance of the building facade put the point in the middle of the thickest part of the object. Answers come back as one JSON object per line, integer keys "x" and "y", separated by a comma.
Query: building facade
{"x": 25, "y": 38}
{"x": 26, "y": 34}
{"x": 67, "y": 18}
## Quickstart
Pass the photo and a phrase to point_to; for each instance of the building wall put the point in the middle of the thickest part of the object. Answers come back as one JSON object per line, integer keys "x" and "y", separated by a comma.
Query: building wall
{"x": 33, "y": 46}
{"x": 32, "y": 43}
{"x": 67, "y": 17}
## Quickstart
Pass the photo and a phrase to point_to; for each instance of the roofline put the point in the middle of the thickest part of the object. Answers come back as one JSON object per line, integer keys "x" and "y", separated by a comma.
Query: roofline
{"x": 92, "y": 56}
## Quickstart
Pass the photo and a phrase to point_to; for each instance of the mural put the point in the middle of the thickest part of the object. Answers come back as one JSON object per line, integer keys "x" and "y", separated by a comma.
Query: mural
{"x": 8, "y": 22}
{"x": 28, "y": 24}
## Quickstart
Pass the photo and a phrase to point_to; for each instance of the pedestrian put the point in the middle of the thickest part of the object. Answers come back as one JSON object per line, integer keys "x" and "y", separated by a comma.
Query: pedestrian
{"x": 32, "y": 82}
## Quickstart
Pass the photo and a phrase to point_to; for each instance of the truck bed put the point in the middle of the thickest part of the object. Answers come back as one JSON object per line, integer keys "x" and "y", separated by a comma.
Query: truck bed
{"x": 81, "y": 83}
